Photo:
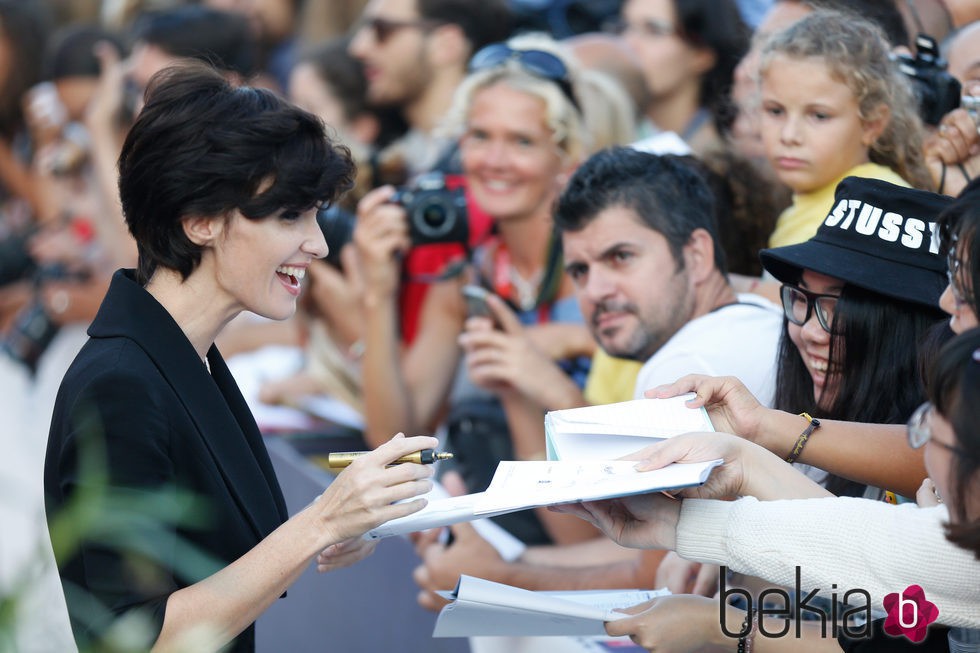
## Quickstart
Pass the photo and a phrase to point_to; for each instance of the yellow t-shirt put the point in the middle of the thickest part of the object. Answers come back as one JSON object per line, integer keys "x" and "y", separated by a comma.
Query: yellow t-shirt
{"x": 800, "y": 220}
{"x": 610, "y": 379}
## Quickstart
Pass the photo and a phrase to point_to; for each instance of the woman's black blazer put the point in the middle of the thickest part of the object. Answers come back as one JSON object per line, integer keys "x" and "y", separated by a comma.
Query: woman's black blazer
{"x": 166, "y": 457}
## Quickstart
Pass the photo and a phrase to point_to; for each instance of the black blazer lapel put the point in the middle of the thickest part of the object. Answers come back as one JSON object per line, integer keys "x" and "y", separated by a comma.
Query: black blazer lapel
{"x": 215, "y": 405}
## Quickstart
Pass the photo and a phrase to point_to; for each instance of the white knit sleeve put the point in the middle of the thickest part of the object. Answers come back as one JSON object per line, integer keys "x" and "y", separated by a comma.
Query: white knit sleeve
{"x": 853, "y": 543}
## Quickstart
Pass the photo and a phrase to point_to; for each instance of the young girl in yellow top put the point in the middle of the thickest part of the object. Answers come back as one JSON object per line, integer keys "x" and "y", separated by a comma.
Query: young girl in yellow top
{"x": 834, "y": 105}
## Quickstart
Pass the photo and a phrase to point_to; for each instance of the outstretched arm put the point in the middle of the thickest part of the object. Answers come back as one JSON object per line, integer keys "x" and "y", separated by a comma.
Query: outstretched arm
{"x": 836, "y": 542}
{"x": 875, "y": 454}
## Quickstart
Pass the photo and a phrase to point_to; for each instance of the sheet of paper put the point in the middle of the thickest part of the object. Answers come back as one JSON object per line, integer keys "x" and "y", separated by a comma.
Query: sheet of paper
{"x": 610, "y": 431}
{"x": 443, "y": 510}
{"x": 481, "y": 607}
{"x": 531, "y": 483}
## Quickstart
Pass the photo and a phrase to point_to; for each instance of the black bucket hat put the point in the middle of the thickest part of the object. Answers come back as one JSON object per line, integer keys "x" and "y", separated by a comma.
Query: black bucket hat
{"x": 878, "y": 236}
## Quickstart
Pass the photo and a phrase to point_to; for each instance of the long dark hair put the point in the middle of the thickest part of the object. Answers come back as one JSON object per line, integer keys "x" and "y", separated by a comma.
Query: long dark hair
{"x": 874, "y": 365}
{"x": 953, "y": 385}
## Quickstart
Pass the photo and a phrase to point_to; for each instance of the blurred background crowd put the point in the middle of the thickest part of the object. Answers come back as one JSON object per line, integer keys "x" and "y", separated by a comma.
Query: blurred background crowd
{"x": 455, "y": 185}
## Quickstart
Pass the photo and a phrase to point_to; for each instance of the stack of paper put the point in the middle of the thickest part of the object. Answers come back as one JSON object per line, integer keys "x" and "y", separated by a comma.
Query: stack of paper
{"x": 481, "y": 607}
{"x": 611, "y": 431}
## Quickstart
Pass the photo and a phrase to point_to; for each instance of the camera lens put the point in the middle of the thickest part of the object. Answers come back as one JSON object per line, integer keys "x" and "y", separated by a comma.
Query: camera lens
{"x": 434, "y": 219}
{"x": 434, "y": 216}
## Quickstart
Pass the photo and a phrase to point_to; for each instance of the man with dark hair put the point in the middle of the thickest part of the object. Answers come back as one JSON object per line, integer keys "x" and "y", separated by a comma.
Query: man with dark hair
{"x": 415, "y": 54}
{"x": 640, "y": 242}
{"x": 641, "y": 245}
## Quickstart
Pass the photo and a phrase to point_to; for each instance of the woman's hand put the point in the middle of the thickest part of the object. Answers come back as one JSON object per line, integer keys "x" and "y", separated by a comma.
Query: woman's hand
{"x": 505, "y": 359}
{"x": 730, "y": 405}
{"x": 344, "y": 554}
{"x": 364, "y": 495}
{"x": 380, "y": 237}
{"x": 443, "y": 564}
{"x": 104, "y": 110}
{"x": 671, "y": 624}
{"x": 725, "y": 481}
{"x": 956, "y": 143}
{"x": 682, "y": 576}
{"x": 643, "y": 521}
{"x": 927, "y": 496}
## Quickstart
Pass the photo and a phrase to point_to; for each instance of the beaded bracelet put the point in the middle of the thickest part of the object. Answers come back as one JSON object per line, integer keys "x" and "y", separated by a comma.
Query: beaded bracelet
{"x": 812, "y": 425}
{"x": 749, "y": 626}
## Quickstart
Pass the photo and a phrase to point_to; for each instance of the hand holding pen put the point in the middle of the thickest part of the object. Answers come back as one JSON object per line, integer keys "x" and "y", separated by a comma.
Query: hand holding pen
{"x": 373, "y": 491}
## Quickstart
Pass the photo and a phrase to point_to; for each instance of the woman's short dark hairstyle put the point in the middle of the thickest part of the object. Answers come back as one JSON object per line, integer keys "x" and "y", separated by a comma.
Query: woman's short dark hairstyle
{"x": 669, "y": 193}
{"x": 718, "y": 26}
{"x": 203, "y": 147}
{"x": 876, "y": 340}
{"x": 953, "y": 385}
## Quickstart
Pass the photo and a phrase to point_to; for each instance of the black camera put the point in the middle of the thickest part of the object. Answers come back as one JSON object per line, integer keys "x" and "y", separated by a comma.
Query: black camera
{"x": 436, "y": 213}
{"x": 938, "y": 92}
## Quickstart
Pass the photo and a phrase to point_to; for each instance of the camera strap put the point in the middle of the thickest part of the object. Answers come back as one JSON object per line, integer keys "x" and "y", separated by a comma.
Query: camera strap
{"x": 548, "y": 288}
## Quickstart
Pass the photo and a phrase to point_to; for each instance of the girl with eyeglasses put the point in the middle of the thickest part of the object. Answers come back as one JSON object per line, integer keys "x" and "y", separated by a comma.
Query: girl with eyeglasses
{"x": 858, "y": 310}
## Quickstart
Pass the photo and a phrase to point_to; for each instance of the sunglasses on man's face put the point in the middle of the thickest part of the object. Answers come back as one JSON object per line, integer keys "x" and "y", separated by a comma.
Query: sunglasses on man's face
{"x": 537, "y": 62}
{"x": 383, "y": 29}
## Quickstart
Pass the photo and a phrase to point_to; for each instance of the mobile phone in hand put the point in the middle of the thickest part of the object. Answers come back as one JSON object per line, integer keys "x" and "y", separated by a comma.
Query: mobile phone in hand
{"x": 476, "y": 301}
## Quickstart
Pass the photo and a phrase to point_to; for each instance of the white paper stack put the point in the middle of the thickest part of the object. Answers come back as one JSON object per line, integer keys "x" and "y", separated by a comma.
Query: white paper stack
{"x": 481, "y": 607}
{"x": 611, "y": 431}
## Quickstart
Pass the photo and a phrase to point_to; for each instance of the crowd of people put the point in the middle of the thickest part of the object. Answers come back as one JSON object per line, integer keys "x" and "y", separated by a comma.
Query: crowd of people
{"x": 454, "y": 216}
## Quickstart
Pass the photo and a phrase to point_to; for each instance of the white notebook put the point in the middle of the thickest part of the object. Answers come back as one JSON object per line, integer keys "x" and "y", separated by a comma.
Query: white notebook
{"x": 481, "y": 607}
{"x": 610, "y": 431}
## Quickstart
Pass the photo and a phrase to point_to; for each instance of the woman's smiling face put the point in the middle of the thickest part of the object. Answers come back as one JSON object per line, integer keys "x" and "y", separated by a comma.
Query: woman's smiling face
{"x": 813, "y": 342}
{"x": 259, "y": 265}
{"x": 508, "y": 153}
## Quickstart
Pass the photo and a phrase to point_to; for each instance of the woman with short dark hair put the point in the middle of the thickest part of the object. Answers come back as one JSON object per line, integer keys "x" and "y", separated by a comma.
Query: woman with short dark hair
{"x": 220, "y": 187}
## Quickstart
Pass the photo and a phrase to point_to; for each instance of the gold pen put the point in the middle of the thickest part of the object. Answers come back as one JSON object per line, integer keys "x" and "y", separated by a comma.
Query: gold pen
{"x": 340, "y": 459}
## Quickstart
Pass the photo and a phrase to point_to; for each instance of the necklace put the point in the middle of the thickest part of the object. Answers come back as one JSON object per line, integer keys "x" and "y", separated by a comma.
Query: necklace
{"x": 526, "y": 289}
{"x": 207, "y": 365}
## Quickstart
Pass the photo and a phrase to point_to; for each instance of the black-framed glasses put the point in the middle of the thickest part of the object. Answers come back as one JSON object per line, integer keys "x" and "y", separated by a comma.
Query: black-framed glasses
{"x": 953, "y": 267}
{"x": 383, "y": 29}
{"x": 798, "y": 304}
{"x": 537, "y": 62}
